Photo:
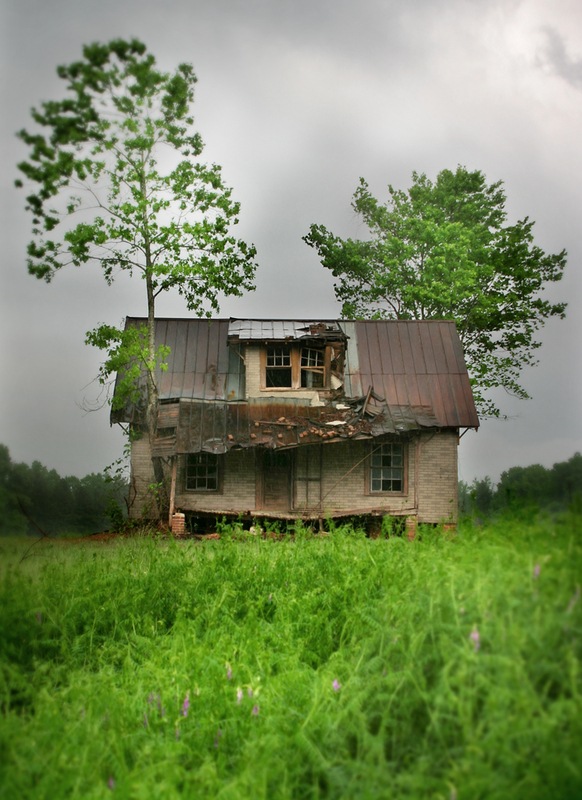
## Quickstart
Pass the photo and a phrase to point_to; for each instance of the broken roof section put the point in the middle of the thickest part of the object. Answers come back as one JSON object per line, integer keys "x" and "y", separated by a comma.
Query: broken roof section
{"x": 397, "y": 377}
{"x": 283, "y": 330}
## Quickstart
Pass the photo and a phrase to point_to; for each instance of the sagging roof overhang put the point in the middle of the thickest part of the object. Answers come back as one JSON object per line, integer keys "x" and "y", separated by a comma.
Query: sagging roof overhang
{"x": 190, "y": 427}
{"x": 385, "y": 377}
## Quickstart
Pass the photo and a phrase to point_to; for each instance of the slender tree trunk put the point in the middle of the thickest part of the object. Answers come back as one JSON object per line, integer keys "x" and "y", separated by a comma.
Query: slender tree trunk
{"x": 152, "y": 396}
{"x": 152, "y": 401}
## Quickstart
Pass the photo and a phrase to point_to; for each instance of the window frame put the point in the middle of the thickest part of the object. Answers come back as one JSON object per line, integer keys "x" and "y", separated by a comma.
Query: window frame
{"x": 212, "y": 460}
{"x": 376, "y": 451}
{"x": 279, "y": 351}
{"x": 296, "y": 355}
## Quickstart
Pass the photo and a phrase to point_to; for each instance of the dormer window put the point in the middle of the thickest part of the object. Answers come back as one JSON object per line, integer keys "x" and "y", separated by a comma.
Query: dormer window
{"x": 295, "y": 367}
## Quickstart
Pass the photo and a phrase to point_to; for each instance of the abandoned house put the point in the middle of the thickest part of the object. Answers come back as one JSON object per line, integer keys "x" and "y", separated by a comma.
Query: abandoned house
{"x": 293, "y": 419}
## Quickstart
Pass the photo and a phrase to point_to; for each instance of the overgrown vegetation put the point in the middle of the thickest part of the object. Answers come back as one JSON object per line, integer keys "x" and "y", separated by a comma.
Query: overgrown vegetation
{"x": 317, "y": 667}
{"x": 526, "y": 487}
{"x": 35, "y": 500}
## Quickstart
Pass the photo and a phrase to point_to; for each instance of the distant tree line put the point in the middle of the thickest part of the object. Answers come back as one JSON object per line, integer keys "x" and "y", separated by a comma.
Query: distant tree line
{"x": 521, "y": 487}
{"x": 36, "y": 500}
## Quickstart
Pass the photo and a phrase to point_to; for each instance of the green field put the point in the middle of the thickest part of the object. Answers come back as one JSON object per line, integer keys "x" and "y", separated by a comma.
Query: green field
{"x": 318, "y": 667}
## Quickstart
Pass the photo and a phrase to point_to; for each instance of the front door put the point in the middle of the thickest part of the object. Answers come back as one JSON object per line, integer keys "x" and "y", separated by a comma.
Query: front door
{"x": 276, "y": 480}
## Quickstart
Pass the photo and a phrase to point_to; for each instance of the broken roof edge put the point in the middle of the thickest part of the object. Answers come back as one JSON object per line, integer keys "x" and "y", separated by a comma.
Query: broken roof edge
{"x": 311, "y": 319}
{"x": 284, "y": 330}
{"x": 408, "y": 362}
{"x": 222, "y": 445}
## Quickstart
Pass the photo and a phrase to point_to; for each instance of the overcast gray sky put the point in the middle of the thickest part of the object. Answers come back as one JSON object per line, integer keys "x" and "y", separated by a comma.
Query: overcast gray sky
{"x": 296, "y": 100}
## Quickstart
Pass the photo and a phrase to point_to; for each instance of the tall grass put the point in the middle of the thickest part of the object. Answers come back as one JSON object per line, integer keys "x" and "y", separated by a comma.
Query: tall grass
{"x": 447, "y": 667}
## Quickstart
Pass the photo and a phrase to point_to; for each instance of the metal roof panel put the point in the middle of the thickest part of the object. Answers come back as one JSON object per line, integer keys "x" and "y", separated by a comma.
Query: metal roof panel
{"x": 409, "y": 364}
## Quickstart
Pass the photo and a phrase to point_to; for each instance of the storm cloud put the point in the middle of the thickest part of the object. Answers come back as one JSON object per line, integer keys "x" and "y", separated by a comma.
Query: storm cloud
{"x": 296, "y": 100}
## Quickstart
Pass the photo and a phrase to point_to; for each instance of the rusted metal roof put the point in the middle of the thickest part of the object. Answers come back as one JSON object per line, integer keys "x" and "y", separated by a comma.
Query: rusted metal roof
{"x": 398, "y": 376}
{"x": 411, "y": 364}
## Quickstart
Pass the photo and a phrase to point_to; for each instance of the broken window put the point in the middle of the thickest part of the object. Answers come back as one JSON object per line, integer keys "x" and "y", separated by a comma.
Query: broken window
{"x": 294, "y": 367}
{"x": 201, "y": 472}
{"x": 387, "y": 468}
{"x": 312, "y": 368}
{"x": 278, "y": 373}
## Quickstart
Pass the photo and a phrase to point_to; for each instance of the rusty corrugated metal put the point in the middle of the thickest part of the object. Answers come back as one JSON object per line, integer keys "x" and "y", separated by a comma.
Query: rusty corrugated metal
{"x": 201, "y": 366}
{"x": 412, "y": 364}
{"x": 398, "y": 377}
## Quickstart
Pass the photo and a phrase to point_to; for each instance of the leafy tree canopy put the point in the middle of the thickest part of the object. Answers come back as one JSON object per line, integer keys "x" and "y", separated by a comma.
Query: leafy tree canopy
{"x": 444, "y": 250}
{"x": 115, "y": 178}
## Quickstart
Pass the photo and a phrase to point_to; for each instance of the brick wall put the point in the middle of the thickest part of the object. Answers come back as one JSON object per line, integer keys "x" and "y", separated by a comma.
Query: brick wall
{"x": 253, "y": 371}
{"x": 141, "y": 503}
{"x": 437, "y": 479}
{"x": 345, "y": 481}
{"x": 430, "y": 491}
{"x": 237, "y": 483}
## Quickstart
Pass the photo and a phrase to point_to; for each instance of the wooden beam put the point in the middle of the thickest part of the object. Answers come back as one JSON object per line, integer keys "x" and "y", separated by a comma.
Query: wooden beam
{"x": 173, "y": 489}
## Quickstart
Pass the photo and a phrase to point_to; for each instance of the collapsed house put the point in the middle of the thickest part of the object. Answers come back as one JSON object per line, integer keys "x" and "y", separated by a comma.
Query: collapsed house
{"x": 295, "y": 419}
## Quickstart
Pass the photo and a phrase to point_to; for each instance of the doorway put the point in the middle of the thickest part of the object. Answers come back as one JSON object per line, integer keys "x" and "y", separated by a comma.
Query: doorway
{"x": 275, "y": 481}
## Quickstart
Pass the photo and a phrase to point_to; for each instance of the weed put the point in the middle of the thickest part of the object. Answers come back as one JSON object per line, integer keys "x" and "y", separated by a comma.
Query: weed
{"x": 334, "y": 666}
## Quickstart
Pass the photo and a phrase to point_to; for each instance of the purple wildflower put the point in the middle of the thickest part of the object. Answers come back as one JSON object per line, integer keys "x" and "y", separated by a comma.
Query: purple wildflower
{"x": 336, "y": 685}
{"x": 186, "y": 705}
{"x": 536, "y": 571}
{"x": 111, "y": 783}
{"x": 475, "y": 638}
{"x": 255, "y": 711}
{"x": 239, "y": 696}
{"x": 228, "y": 672}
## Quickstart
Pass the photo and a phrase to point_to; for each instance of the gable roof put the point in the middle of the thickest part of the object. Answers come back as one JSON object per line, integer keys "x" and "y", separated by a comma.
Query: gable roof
{"x": 412, "y": 364}
{"x": 413, "y": 371}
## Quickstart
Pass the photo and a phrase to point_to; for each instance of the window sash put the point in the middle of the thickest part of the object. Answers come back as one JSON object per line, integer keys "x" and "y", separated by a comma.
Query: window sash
{"x": 278, "y": 357}
{"x": 201, "y": 472}
{"x": 278, "y": 369}
{"x": 294, "y": 367}
{"x": 387, "y": 469}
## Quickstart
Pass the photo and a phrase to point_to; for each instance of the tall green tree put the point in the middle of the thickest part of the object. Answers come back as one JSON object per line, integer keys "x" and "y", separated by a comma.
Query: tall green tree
{"x": 445, "y": 250}
{"x": 113, "y": 177}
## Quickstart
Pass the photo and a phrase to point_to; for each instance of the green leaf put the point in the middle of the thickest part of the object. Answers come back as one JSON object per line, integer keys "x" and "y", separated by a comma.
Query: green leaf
{"x": 443, "y": 250}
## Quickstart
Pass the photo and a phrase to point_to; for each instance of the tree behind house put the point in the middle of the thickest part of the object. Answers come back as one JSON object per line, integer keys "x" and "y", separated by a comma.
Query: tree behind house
{"x": 444, "y": 250}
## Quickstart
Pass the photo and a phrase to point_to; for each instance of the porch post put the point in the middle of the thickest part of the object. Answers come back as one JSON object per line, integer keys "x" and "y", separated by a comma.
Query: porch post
{"x": 173, "y": 489}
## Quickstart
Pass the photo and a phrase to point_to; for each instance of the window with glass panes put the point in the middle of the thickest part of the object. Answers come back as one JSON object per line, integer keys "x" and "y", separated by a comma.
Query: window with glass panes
{"x": 387, "y": 468}
{"x": 278, "y": 371}
{"x": 312, "y": 368}
{"x": 201, "y": 472}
